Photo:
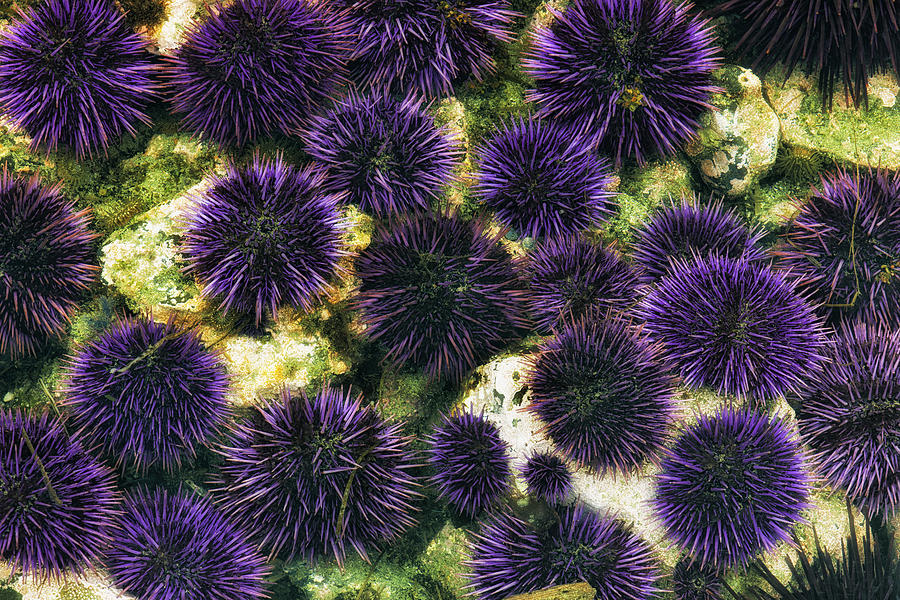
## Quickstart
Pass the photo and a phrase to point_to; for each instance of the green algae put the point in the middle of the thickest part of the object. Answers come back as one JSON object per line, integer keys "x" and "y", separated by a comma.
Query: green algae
{"x": 144, "y": 13}
{"x": 76, "y": 591}
{"x": 7, "y": 593}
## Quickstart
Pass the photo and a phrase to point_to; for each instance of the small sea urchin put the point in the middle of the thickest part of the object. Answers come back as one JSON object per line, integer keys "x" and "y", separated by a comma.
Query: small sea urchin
{"x": 635, "y": 75}
{"x": 263, "y": 236}
{"x": 547, "y": 477}
{"x": 692, "y": 580}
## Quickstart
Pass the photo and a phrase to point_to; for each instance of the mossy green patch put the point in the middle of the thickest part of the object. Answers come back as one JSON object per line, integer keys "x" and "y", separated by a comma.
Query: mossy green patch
{"x": 77, "y": 591}
{"x": 144, "y": 13}
{"x": 7, "y": 593}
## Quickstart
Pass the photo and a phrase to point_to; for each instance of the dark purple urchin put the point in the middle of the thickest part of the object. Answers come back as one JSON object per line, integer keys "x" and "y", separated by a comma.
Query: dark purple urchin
{"x": 634, "y": 75}
{"x": 732, "y": 484}
{"x": 263, "y": 236}
{"x": 72, "y": 73}
{"x": 844, "y": 245}
{"x": 570, "y": 278}
{"x": 147, "y": 393}
{"x": 850, "y": 416}
{"x": 547, "y": 477}
{"x": 692, "y": 580}
{"x": 180, "y": 547}
{"x": 46, "y": 263}
{"x": 257, "y": 67}
{"x": 602, "y": 394}
{"x": 386, "y": 155}
{"x": 509, "y": 556}
{"x": 439, "y": 293}
{"x": 320, "y": 475}
{"x": 423, "y": 47}
{"x": 542, "y": 182}
{"x": 735, "y": 326}
{"x": 64, "y": 526}
{"x": 690, "y": 230}
{"x": 470, "y": 462}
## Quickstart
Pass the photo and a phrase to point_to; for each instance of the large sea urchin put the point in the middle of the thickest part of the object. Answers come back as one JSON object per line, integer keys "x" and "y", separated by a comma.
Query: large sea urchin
{"x": 634, "y": 75}
{"x": 732, "y": 484}
{"x": 439, "y": 294}
{"x": 263, "y": 236}
{"x": 45, "y": 263}
{"x": 320, "y": 475}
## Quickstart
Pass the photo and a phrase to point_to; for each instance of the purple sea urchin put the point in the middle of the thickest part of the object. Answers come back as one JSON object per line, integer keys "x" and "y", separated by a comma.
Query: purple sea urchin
{"x": 439, "y": 294}
{"x": 45, "y": 263}
{"x": 470, "y": 462}
{"x": 509, "y": 556}
{"x": 692, "y": 580}
{"x": 547, "y": 477}
{"x": 178, "y": 547}
{"x": 735, "y": 326}
{"x": 542, "y": 182}
{"x": 256, "y": 67}
{"x": 263, "y": 236}
{"x": 569, "y": 278}
{"x": 387, "y": 156}
{"x": 57, "y": 503}
{"x": 147, "y": 392}
{"x": 635, "y": 75}
{"x": 423, "y": 47}
{"x": 72, "y": 73}
{"x": 602, "y": 394}
{"x": 689, "y": 230}
{"x": 850, "y": 416}
{"x": 732, "y": 484}
{"x": 844, "y": 245}
{"x": 319, "y": 475}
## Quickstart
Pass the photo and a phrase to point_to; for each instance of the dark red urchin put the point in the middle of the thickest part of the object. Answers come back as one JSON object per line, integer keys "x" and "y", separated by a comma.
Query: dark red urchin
{"x": 256, "y": 67}
{"x": 46, "y": 263}
{"x": 50, "y": 529}
{"x": 541, "y": 182}
{"x": 732, "y": 484}
{"x": 844, "y": 245}
{"x": 148, "y": 393}
{"x": 735, "y": 326}
{"x": 470, "y": 462}
{"x": 424, "y": 48}
{"x": 509, "y": 556}
{"x": 635, "y": 75}
{"x": 72, "y": 73}
{"x": 571, "y": 278}
{"x": 320, "y": 475}
{"x": 439, "y": 293}
{"x": 179, "y": 546}
{"x": 385, "y": 156}
{"x": 263, "y": 236}
{"x": 547, "y": 477}
{"x": 690, "y": 230}
{"x": 849, "y": 417}
{"x": 603, "y": 395}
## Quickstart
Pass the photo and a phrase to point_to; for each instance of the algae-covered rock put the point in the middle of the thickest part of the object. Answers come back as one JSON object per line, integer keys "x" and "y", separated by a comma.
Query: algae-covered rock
{"x": 571, "y": 591}
{"x": 737, "y": 142}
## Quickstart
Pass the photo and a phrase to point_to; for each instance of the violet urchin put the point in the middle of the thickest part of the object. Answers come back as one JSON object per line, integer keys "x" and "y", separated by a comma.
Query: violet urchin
{"x": 541, "y": 182}
{"x": 177, "y": 546}
{"x": 320, "y": 475}
{"x": 849, "y": 416}
{"x": 470, "y": 462}
{"x": 46, "y": 263}
{"x": 263, "y": 236}
{"x": 73, "y": 74}
{"x": 423, "y": 47}
{"x": 732, "y": 484}
{"x": 439, "y": 293}
{"x": 256, "y": 67}
{"x": 509, "y": 556}
{"x": 736, "y": 326}
{"x": 570, "y": 278}
{"x": 148, "y": 393}
{"x": 386, "y": 156}
{"x": 547, "y": 477}
{"x": 693, "y": 580}
{"x": 603, "y": 395}
{"x": 58, "y": 504}
{"x": 635, "y": 75}
{"x": 687, "y": 230}
{"x": 844, "y": 245}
